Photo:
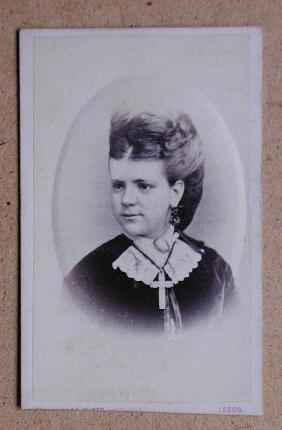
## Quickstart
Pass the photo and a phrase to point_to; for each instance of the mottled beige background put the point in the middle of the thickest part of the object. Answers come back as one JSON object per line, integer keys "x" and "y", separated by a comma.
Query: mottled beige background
{"x": 106, "y": 13}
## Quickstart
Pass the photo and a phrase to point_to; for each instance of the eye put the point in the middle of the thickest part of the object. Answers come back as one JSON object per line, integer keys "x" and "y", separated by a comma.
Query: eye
{"x": 143, "y": 186}
{"x": 117, "y": 186}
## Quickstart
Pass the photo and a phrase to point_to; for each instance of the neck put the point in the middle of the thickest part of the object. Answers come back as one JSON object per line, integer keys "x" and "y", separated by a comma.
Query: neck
{"x": 159, "y": 235}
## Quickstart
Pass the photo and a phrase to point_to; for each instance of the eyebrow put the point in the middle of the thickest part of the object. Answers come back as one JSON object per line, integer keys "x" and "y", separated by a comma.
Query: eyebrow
{"x": 135, "y": 181}
{"x": 141, "y": 180}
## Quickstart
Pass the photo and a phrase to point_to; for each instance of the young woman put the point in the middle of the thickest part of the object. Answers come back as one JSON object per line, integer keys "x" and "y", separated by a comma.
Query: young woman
{"x": 153, "y": 276}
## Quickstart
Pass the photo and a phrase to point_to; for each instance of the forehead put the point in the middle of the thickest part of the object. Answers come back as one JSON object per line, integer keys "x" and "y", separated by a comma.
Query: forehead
{"x": 126, "y": 169}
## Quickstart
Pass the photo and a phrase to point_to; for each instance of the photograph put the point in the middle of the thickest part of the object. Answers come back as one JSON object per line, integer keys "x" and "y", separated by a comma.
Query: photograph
{"x": 156, "y": 170}
{"x": 141, "y": 219}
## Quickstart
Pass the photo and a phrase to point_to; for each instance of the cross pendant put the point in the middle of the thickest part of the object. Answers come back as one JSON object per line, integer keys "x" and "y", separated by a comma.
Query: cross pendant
{"x": 161, "y": 284}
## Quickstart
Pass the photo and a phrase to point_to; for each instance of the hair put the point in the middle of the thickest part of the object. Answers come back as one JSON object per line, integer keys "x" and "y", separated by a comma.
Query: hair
{"x": 175, "y": 141}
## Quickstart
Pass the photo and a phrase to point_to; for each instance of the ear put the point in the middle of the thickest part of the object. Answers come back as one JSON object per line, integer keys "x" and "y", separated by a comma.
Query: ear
{"x": 177, "y": 191}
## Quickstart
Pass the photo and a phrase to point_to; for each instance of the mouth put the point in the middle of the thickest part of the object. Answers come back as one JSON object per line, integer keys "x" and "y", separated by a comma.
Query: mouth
{"x": 129, "y": 216}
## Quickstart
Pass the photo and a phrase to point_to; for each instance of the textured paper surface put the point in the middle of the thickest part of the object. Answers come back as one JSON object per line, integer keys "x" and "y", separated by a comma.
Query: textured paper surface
{"x": 15, "y": 15}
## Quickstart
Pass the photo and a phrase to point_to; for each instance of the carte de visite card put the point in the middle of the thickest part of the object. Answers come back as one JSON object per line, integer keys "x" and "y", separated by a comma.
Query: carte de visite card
{"x": 140, "y": 219}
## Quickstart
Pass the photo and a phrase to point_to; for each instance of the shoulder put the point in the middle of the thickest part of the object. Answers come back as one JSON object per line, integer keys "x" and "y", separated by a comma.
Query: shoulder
{"x": 214, "y": 263}
{"x": 99, "y": 258}
{"x": 208, "y": 253}
{"x": 107, "y": 250}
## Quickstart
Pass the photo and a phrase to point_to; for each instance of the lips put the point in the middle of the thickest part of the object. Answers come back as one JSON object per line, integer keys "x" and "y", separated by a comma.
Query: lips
{"x": 126, "y": 215}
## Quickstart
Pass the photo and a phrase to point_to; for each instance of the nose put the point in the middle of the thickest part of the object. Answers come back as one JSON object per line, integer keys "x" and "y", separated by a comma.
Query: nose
{"x": 128, "y": 196}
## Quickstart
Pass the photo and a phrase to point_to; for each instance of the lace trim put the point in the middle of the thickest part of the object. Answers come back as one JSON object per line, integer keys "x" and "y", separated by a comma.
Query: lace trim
{"x": 182, "y": 262}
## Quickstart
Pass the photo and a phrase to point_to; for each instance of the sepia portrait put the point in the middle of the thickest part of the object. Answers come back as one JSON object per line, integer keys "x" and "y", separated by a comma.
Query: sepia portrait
{"x": 153, "y": 275}
{"x": 141, "y": 220}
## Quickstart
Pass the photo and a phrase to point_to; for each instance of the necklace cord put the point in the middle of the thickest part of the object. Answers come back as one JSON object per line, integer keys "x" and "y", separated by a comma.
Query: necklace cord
{"x": 152, "y": 261}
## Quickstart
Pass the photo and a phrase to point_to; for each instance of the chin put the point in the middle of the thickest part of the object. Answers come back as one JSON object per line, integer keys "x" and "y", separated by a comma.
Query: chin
{"x": 133, "y": 230}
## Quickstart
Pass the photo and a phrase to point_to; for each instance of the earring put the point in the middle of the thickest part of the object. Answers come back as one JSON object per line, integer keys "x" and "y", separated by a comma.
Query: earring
{"x": 174, "y": 218}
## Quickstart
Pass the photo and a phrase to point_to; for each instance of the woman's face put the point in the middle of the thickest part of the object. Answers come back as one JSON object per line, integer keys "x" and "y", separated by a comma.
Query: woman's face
{"x": 142, "y": 196}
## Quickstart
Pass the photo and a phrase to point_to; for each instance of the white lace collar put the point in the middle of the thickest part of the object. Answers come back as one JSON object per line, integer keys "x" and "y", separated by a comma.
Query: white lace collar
{"x": 148, "y": 246}
{"x": 182, "y": 261}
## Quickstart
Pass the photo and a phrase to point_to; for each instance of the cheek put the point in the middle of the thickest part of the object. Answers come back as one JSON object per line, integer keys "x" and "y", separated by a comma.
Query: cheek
{"x": 158, "y": 204}
{"x": 115, "y": 200}
{"x": 162, "y": 198}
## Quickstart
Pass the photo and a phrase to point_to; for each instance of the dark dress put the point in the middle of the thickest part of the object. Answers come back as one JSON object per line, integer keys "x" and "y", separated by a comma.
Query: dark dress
{"x": 112, "y": 297}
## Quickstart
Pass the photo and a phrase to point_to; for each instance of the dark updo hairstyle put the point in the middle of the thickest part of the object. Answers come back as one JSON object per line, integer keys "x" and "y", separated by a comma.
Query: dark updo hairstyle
{"x": 176, "y": 142}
